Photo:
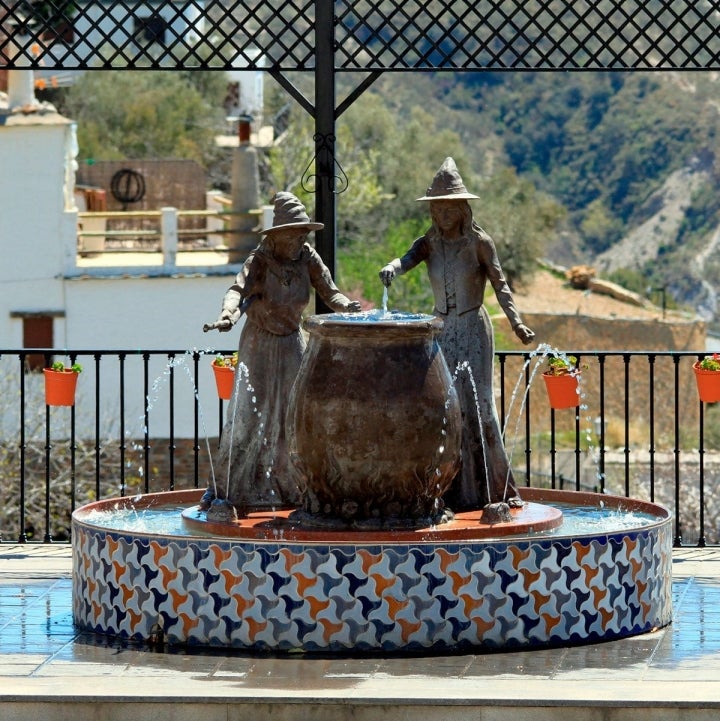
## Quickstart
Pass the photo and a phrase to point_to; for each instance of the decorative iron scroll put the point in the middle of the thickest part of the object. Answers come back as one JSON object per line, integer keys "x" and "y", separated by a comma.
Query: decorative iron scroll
{"x": 369, "y": 35}
{"x": 324, "y": 166}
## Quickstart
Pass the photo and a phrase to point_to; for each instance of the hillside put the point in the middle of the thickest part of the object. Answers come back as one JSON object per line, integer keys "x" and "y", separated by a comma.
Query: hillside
{"x": 630, "y": 156}
{"x": 547, "y": 292}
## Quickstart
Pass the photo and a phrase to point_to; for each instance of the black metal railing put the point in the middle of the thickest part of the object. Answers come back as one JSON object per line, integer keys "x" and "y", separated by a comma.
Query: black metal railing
{"x": 148, "y": 421}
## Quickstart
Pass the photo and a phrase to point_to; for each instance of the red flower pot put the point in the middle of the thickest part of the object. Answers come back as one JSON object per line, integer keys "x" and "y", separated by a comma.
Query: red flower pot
{"x": 60, "y": 387}
{"x": 224, "y": 380}
{"x": 708, "y": 384}
{"x": 562, "y": 391}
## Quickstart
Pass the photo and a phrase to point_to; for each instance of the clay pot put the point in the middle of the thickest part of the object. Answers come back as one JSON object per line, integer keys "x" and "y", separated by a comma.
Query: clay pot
{"x": 60, "y": 387}
{"x": 224, "y": 380}
{"x": 562, "y": 391}
{"x": 374, "y": 422}
{"x": 708, "y": 384}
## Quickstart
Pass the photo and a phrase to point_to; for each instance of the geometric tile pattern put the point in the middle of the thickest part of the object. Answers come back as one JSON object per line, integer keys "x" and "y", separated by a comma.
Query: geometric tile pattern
{"x": 494, "y": 594}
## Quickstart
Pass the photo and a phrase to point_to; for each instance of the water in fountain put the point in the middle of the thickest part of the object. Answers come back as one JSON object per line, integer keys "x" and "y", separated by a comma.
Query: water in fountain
{"x": 241, "y": 373}
{"x": 539, "y": 356}
{"x": 168, "y": 519}
{"x": 465, "y": 367}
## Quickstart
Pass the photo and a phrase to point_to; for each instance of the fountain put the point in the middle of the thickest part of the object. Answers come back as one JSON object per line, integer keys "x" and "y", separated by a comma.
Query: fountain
{"x": 373, "y": 561}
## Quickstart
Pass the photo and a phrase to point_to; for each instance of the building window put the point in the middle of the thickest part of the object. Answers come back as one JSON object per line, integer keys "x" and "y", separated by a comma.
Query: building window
{"x": 37, "y": 333}
{"x": 150, "y": 29}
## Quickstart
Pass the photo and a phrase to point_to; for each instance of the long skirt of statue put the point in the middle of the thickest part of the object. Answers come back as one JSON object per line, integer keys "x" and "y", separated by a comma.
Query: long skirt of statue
{"x": 252, "y": 469}
{"x": 485, "y": 475}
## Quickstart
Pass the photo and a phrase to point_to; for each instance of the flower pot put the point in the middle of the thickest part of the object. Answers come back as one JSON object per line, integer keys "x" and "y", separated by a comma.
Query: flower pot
{"x": 708, "y": 384}
{"x": 562, "y": 391}
{"x": 60, "y": 387}
{"x": 224, "y": 380}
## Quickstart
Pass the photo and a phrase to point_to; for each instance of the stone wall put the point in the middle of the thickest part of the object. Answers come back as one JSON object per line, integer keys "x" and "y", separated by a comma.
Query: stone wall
{"x": 582, "y": 332}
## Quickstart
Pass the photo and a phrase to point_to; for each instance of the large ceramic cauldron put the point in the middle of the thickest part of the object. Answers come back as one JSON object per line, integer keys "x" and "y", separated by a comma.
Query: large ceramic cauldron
{"x": 373, "y": 423}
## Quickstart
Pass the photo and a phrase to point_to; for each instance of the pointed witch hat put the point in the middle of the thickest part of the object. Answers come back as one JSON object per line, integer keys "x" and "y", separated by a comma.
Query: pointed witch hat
{"x": 447, "y": 184}
{"x": 290, "y": 213}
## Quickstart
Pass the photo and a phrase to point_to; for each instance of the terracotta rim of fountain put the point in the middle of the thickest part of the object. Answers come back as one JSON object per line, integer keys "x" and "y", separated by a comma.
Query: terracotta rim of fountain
{"x": 466, "y": 526}
{"x": 274, "y": 526}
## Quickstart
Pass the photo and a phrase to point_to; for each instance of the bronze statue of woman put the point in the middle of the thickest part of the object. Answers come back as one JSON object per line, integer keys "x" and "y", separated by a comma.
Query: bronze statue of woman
{"x": 461, "y": 258}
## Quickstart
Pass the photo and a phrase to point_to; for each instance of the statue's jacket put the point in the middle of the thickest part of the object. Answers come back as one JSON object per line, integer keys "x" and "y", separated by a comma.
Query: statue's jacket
{"x": 464, "y": 266}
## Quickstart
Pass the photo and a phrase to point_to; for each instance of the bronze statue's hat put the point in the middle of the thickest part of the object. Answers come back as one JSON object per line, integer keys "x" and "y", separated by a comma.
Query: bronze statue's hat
{"x": 447, "y": 184}
{"x": 290, "y": 213}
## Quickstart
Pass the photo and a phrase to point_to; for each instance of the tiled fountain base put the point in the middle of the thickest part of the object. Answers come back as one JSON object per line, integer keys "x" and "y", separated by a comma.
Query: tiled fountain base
{"x": 357, "y": 594}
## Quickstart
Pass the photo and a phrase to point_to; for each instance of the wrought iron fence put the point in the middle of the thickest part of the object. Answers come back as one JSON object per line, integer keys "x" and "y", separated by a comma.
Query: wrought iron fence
{"x": 148, "y": 421}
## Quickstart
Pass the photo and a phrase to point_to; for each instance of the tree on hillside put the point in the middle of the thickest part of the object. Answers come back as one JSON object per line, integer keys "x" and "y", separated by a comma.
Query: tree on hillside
{"x": 359, "y": 264}
{"x": 148, "y": 114}
{"x": 520, "y": 219}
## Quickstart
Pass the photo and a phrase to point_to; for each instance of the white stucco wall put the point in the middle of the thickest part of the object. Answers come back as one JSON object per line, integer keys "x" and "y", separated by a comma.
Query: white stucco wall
{"x": 32, "y": 223}
{"x": 134, "y": 314}
{"x": 152, "y": 313}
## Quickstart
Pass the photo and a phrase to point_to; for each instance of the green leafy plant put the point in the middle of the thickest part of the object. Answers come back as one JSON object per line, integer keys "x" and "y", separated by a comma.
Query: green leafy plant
{"x": 223, "y": 361}
{"x": 562, "y": 366}
{"x": 710, "y": 363}
{"x": 60, "y": 367}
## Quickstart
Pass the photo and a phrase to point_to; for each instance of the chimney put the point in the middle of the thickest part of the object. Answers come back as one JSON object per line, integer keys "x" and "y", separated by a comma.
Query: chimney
{"x": 244, "y": 127}
{"x": 21, "y": 83}
{"x": 21, "y": 89}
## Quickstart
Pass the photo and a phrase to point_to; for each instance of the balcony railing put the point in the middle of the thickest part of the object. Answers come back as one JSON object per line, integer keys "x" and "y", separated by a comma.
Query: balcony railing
{"x": 163, "y": 231}
{"x": 148, "y": 421}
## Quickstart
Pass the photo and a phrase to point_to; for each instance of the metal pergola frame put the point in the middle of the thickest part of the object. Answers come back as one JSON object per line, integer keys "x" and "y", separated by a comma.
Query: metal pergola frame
{"x": 366, "y": 37}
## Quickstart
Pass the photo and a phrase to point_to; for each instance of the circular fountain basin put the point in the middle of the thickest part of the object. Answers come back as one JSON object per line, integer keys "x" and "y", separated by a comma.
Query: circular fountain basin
{"x": 149, "y": 567}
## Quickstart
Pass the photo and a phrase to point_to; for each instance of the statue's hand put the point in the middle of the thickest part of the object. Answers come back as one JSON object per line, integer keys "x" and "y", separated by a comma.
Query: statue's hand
{"x": 353, "y": 306}
{"x": 221, "y": 324}
{"x": 387, "y": 275}
{"x": 524, "y": 333}
{"x": 226, "y": 320}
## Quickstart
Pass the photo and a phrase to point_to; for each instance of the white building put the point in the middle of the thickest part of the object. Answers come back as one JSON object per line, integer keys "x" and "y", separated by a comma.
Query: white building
{"x": 50, "y": 297}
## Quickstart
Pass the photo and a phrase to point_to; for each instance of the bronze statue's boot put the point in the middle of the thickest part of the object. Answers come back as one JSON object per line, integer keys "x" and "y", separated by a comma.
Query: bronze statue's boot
{"x": 206, "y": 501}
{"x": 222, "y": 511}
{"x": 496, "y": 513}
{"x": 515, "y": 502}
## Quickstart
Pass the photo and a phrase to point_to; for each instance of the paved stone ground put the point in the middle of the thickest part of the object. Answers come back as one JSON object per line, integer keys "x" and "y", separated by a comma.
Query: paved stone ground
{"x": 49, "y": 670}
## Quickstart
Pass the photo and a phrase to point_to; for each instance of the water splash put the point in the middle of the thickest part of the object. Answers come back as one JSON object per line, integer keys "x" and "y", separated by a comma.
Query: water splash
{"x": 242, "y": 373}
{"x": 538, "y": 356}
{"x": 156, "y": 388}
{"x": 465, "y": 366}
{"x": 378, "y": 315}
